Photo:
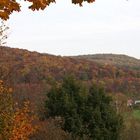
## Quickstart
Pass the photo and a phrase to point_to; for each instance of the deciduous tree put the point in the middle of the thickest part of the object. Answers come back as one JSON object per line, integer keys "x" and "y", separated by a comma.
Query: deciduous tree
{"x": 16, "y": 123}
{"x": 6, "y": 111}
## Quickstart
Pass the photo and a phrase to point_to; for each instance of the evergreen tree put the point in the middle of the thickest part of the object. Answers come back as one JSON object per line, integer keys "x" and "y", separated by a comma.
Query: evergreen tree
{"x": 86, "y": 112}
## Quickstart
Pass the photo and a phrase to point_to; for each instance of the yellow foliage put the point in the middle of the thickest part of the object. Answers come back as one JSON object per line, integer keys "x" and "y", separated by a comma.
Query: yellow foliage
{"x": 14, "y": 125}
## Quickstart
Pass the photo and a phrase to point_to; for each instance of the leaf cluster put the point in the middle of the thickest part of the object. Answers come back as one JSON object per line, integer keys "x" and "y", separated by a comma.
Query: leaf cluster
{"x": 9, "y": 6}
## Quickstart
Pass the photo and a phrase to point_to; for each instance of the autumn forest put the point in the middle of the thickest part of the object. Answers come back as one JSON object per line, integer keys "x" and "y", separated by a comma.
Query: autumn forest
{"x": 76, "y": 97}
{"x": 30, "y": 76}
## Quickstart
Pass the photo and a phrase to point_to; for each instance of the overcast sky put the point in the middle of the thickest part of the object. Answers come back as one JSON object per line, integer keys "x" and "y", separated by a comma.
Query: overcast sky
{"x": 106, "y": 26}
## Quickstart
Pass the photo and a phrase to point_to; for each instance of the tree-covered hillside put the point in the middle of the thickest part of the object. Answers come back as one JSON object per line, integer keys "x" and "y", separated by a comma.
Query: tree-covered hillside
{"x": 26, "y": 71}
{"x": 32, "y": 76}
{"x": 113, "y": 59}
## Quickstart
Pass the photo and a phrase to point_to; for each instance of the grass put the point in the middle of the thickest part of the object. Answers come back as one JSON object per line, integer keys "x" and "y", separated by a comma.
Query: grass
{"x": 136, "y": 114}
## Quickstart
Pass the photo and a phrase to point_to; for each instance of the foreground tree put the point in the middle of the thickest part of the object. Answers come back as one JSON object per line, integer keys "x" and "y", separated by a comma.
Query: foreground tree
{"x": 15, "y": 124}
{"x": 6, "y": 111}
{"x": 22, "y": 127}
{"x": 9, "y": 6}
{"x": 86, "y": 113}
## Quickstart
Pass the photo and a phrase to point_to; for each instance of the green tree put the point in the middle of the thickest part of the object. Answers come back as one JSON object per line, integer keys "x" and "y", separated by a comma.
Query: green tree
{"x": 86, "y": 111}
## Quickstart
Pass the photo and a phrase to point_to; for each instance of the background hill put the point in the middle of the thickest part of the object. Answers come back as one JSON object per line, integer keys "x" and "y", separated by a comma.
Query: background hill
{"x": 112, "y": 59}
{"x": 31, "y": 74}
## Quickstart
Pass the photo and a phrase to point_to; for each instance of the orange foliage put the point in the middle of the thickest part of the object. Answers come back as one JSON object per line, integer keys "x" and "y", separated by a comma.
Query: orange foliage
{"x": 8, "y": 6}
{"x": 14, "y": 125}
{"x": 22, "y": 124}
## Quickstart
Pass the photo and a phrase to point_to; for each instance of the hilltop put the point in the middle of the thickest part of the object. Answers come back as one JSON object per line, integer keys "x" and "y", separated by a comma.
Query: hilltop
{"x": 112, "y": 59}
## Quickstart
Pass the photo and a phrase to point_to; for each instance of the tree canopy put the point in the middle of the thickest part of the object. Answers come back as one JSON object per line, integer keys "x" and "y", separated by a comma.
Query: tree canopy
{"x": 85, "y": 112}
{"x": 7, "y": 7}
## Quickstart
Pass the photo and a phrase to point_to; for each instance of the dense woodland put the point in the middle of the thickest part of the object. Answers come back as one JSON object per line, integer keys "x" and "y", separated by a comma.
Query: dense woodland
{"x": 26, "y": 70}
{"x": 31, "y": 76}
